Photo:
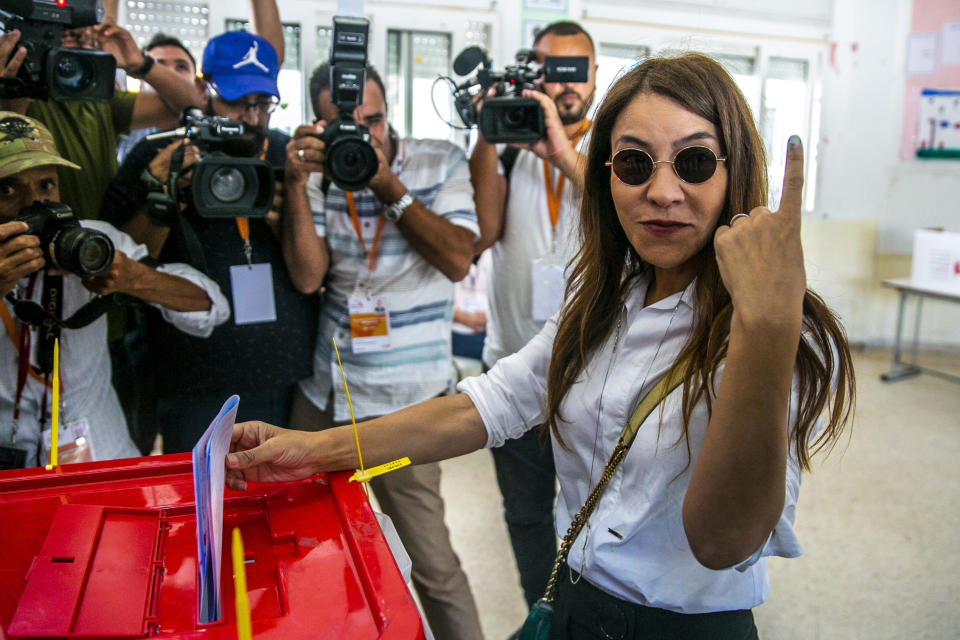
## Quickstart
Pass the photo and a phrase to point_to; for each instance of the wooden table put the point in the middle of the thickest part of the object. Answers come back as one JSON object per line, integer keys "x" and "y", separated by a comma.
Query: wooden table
{"x": 906, "y": 287}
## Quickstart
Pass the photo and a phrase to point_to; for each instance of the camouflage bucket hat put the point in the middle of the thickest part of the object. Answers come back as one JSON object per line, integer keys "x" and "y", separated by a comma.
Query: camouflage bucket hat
{"x": 24, "y": 144}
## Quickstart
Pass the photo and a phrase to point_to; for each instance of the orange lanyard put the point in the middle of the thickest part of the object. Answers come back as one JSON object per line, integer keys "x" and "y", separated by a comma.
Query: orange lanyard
{"x": 553, "y": 194}
{"x": 243, "y": 224}
{"x": 372, "y": 253}
{"x": 15, "y": 338}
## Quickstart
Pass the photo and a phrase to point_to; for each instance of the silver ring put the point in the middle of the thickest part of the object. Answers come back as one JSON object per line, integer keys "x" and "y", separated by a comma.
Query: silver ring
{"x": 737, "y": 217}
{"x": 300, "y": 154}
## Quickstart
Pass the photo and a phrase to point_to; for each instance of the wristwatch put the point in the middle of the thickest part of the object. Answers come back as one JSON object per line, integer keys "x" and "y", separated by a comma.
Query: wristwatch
{"x": 141, "y": 72}
{"x": 394, "y": 211}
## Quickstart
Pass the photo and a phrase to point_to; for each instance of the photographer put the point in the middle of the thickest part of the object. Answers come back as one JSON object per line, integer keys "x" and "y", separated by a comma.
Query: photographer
{"x": 260, "y": 358}
{"x": 396, "y": 245}
{"x": 188, "y": 300}
{"x": 87, "y": 132}
{"x": 527, "y": 209}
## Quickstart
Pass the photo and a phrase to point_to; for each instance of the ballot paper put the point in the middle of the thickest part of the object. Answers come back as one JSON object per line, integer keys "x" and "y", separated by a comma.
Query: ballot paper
{"x": 208, "y": 479}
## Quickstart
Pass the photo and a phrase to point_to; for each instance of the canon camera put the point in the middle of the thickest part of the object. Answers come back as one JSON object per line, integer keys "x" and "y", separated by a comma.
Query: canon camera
{"x": 66, "y": 245}
{"x": 350, "y": 161}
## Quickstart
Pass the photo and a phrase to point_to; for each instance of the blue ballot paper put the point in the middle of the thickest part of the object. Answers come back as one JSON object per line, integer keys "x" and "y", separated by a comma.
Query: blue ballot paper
{"x": 208, "y": 478}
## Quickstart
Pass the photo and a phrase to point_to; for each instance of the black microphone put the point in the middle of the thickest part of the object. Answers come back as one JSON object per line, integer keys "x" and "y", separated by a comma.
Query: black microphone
{"x": 468, "y": 60}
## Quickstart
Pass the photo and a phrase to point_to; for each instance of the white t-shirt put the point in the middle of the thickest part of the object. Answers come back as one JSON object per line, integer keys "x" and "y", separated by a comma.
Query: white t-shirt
{"x": 526, "y": 237}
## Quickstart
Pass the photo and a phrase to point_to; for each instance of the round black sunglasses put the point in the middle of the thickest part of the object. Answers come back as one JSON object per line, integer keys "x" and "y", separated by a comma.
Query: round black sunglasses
{"x": 691, "y": 164}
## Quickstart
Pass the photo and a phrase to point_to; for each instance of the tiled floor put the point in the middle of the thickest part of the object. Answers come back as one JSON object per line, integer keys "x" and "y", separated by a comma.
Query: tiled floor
{"x": 879, "y": 520}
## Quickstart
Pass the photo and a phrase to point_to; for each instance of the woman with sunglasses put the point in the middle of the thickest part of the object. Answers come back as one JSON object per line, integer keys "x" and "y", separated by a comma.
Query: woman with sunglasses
{"x": 683, "y": 274}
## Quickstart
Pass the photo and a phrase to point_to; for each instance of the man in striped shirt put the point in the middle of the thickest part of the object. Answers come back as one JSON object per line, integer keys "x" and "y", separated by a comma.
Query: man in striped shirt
{"x": 388, "y": 256}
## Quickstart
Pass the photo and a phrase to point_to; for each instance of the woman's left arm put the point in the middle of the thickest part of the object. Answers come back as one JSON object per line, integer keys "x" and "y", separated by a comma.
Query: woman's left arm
{"x": 736, "y": 491}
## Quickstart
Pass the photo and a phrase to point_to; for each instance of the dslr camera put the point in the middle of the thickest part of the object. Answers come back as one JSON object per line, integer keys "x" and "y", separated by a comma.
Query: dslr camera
{"x": 66, "y": 245}
{"x": 229, "y": 180}
{"x": 49, "y": 70}
{"x": 509, "y": 117}
{"x": 350, "y": 161}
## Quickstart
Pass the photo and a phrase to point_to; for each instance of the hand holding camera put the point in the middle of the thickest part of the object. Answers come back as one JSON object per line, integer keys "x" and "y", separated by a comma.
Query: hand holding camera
{"x": 20, "y": 254}
{"x": 305, "y": 154}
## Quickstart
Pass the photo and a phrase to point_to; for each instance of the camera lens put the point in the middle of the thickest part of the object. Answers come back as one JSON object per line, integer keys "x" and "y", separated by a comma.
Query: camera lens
{"x": 515, "y": 117}
{"x": 73, "y": 74}
{"x": 94, "y": 255}
{"x": 228, "y": 184}
{"x": 86, "y": 252}
{"x": 351, "y": 162}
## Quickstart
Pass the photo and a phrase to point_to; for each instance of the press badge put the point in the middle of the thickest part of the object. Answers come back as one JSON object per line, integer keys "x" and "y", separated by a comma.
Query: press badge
{"x": 547, "y": 286}
{"x": 253, "y": 299}
{"x": 369, "y": 323}
{"x": 73, "y": 443}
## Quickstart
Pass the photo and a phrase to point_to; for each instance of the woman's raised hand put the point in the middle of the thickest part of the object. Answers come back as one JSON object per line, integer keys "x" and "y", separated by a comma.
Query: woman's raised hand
{"x": 761, "y": 258}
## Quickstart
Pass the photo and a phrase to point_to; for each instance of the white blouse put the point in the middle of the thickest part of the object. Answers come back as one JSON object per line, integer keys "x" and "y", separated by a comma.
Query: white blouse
{"x": 634, "y": 546}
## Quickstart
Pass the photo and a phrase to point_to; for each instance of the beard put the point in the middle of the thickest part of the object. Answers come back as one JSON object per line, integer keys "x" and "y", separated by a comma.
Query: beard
{"x": 577, "y": 112}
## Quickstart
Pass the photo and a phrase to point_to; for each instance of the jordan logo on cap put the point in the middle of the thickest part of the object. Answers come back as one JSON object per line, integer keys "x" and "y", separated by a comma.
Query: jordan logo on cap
{"x": 251, "y": 58}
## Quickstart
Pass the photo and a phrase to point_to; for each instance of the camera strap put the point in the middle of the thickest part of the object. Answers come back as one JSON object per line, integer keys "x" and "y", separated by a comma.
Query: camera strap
{"x": 22, "y": 343}
{"x": 371, "y": 254}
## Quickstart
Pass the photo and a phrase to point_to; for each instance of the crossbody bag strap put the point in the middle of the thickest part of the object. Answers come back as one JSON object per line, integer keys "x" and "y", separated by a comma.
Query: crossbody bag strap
{"x": 663, "y": 388}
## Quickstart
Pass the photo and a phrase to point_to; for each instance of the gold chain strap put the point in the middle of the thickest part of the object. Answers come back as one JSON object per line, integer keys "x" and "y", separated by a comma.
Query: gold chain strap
{"x": 661, "y": 390}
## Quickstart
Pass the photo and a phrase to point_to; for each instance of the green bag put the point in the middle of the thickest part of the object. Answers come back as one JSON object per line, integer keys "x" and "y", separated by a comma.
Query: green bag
{"x": 537, "y": 624}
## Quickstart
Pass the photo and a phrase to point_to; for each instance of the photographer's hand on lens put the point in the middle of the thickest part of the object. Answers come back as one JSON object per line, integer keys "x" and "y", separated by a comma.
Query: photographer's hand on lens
{"x": 160, "y": 165}
{"x": 119, "y": 278}
{"x": 20, "y": 255}
{"x": 304, "y": 154}
{"x": 761, "y": 258}
{"x": 555, "y": 145}
{"x": 261, "y": 452}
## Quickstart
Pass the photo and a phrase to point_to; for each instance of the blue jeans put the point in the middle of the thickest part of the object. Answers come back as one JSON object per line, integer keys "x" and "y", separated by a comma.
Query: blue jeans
{"x": 527, "y": 480}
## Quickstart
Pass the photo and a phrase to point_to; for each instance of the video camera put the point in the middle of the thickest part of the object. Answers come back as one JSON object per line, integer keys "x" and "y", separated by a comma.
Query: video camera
{"x": 509, "y": 117}
{"x": 49, "y": 70}
{"x": 229, "y": 180}
{"x": 349, "y": 159}
{"x": 66, "y": 245}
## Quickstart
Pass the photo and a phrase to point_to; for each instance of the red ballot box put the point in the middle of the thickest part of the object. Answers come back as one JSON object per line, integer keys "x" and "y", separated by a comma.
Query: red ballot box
{"x": 108, "y": 549}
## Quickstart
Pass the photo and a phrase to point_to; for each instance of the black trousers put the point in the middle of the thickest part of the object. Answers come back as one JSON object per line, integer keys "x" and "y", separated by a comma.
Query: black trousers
{"x": 584, "y": 612}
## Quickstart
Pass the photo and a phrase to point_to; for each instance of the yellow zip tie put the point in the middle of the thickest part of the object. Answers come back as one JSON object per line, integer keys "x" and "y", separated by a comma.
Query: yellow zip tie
{"x": 55, "y": 413}
{"x": 364, "y": 476}
{"x": 353, "y": 420}
{"x": 241, "y": 599}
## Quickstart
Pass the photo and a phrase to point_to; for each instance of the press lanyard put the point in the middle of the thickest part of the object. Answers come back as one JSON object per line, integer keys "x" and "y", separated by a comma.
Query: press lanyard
{"x": 243, "y": 224}
{"x": 554, "y": 194}
{"x": 372, "y": 253}
{"x": 22, "y": 342}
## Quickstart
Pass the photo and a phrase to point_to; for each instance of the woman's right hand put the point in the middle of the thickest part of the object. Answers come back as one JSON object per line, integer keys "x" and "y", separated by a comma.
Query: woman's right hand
{"x": 261, "y": 452}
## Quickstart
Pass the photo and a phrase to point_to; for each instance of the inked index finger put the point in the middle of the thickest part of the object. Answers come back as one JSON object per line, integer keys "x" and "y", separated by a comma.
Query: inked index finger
{"x": 792, "y": 195}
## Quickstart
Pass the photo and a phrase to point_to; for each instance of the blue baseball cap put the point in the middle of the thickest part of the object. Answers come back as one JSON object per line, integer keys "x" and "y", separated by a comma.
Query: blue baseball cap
{"x": 240, "y": 63}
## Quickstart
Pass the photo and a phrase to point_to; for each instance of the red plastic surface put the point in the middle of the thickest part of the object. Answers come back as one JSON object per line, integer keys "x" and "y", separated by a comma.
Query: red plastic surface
{"x": 108, "y": 549}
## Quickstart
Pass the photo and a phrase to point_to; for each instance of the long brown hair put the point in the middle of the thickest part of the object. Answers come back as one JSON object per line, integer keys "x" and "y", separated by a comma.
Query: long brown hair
{"x": 606, "y": 265}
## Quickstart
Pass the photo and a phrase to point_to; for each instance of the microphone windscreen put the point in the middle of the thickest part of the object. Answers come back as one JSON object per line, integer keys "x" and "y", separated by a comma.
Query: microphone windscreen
{"x": 468, "y": 60}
